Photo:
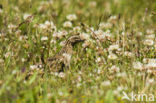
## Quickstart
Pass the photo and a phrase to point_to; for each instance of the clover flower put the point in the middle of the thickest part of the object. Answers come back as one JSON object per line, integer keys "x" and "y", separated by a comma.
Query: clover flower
{"x": 71, "y": 17}
{"x": 148, "y": 42}
{"x": 138, "y": 66}
{"x": 67, "y": 24}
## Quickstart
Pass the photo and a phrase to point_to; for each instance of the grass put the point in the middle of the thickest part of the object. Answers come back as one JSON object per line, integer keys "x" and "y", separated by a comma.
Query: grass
{"x": 91, "y": 77}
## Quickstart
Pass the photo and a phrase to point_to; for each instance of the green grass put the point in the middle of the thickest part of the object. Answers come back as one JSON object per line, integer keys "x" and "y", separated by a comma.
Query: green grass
{"x": 86, "y": 81}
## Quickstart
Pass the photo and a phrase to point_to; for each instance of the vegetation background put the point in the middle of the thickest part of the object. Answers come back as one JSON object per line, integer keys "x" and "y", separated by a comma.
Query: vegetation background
{"x": 98, "y": 74}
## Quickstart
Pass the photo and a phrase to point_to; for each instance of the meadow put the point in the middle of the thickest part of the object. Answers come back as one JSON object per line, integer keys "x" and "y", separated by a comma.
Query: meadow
{"x": 117, "y": 57}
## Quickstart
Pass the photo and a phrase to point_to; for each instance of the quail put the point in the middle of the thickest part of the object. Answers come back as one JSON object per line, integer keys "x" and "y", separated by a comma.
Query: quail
{"x": 62, "y": 59}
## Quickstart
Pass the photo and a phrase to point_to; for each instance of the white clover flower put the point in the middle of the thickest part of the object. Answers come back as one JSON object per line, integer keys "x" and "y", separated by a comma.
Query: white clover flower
{"x": 150, "y": 65}
{"x": 155, "y": 46}
{"x": 8, "y": 54}
{"x": 123, "y": 74}
{"x": 140, "y": 34}
{"x": 113, "y": 47}
{"x": 98, "y": 60}
{"x": 76, "y": 29}
{"x": 49, "y": 95}
{"x": 79, "y": 78}
{"x": 105, "y": 25}
{"x": 114, "y": 68}
{"x": 71, "y": 17}
{"x": 23, "y": 60}
{"x": 120, "y": 88}
{"x": 26, "y": 15}
{"x": 67, "y": 24}
{"x": 84, "y": 36}
{"x": 106, "y": 83}
{"x": 78, "y": 84}
{"x": 44, "y": 38}
{"x": 60, "y": 93}
{"x": 11, "y": 26}
{"x": 99, "y": 32}
{"x": 148, "y": 42}
{"x": 14, "y": 71}
{"x": 61, "y": 75}
{"x": 149, "y": 82}
{"x": 42, "y": 26}
{"x": 150, "y": 37}
{"x": 62, "y": 43}
{"x": 60, "y": 34}
{"x": 33, "y": 67}
{"x": 112, "y": 56}
{"x": 149, "y": 31}
{"x": 53, "y": 41}
{"x": 112, "y": 19}
{"x": 49, "y": 24}
{"x": 138, "y": 65}
{"x": 92, "y": 4}
{"x": 1, "y": 61}
{"x": 1, "y": 11}
{"x": 128, "y": 54}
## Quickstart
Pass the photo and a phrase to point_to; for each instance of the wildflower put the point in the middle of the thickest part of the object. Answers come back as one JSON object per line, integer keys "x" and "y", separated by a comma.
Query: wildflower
{"x": 149, "y": 82}
{"x": 61, "y": 75}
{"x": 33, "y": 67}
{"x": 114, "y": 68}
{"x": 106, "y": 83}
{"x": 44, "y": 38}
{"x": 53, "y": 41}
{"x": 113, "y": 47}
{"x": 1, "y": 61}
{"x": 14, "y": 72}
{"x": 148, "y": 42}
{"x": 2, "y": 34}
{"x": 49, "y": 95}
{"x": 139, "y": 34}
{"x": 26, "y": 15}
{"x": 11, "y": 26}
{"x": 151, "y": 63}
{"x": 23, "y": 60}
{"x": 60, "y": 34}
{"x": 60, "y": 93}
{"x": 149, "y": 31}
{"x": 8, "y": 54}
{"x": 62, "y": 43}
{"x": 128, "y": 54}
{"x": 42, "y": 26}
{"x": 98, "y": 59}
{"x": 112, "y": 19}
{"x": 18, "y": 32}
{"x": 76, "y": 29}
{"x": 1, "y": 11}
{"x": 92, "y": 4}
{"x": 105, "y": 25}
{"x": 84, "y": 36}
{"x": 138, "y": 65}
{"x": 112, "y": 56}
{"x": 71, "y": 17}
{"x": 49, "y": 24}
{"x": 67, "y": 24}
{"x": 79, "y": 78}
{"x": 150, "y": 37}
{"x": 123, "y": 74}
{"x": 78, "y": 84}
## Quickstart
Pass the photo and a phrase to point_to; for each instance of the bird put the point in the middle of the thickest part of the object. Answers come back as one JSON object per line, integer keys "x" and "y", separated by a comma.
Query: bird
{"x": 61, "y": 61}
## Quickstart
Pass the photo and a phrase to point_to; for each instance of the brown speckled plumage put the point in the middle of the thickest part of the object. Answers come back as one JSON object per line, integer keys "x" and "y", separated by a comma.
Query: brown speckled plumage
{"x": 62, "y": 59}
